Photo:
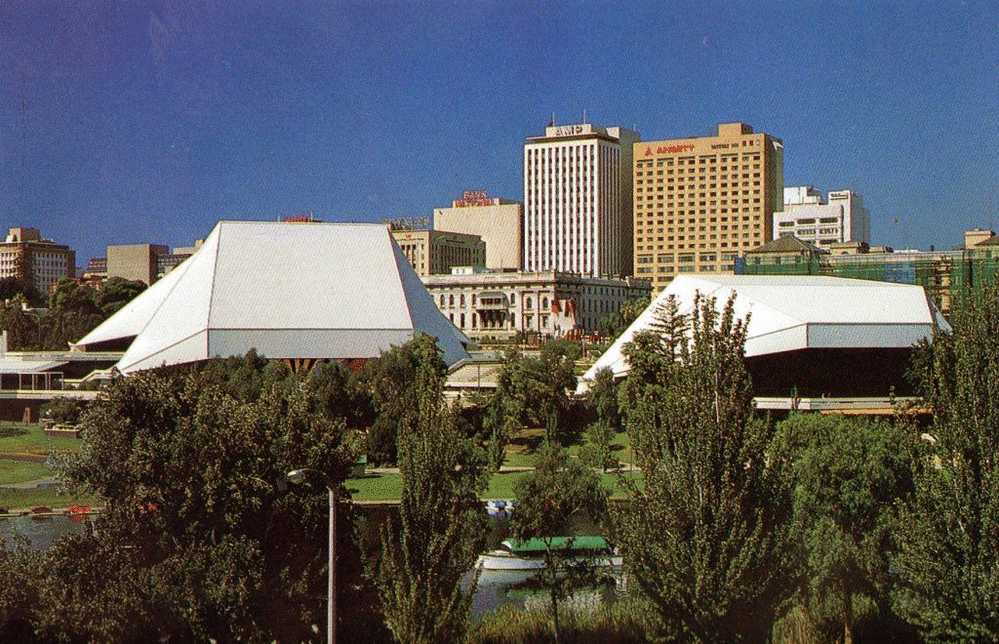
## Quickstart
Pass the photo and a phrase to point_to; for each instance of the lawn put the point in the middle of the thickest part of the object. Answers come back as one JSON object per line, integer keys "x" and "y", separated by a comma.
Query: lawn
{"x": 20, "y": 471}
{"x": 30, "y": 439}
{"x": 388, "y": 487}
{"x": 49, "y": 497}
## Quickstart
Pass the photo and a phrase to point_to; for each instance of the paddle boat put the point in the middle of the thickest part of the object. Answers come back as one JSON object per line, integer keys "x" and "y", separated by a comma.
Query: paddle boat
{"x": 530, "y": 555}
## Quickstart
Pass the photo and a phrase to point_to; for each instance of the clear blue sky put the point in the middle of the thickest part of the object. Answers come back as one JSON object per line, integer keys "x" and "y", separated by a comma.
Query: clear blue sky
{"x": 149, "y": 121}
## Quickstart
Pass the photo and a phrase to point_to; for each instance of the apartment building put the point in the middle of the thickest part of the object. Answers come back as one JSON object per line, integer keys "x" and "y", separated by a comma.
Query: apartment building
{"x": 26, "y": 256}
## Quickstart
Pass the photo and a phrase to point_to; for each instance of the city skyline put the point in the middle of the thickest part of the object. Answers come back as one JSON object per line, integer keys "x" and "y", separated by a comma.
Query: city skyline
{"x": 151, "y": 122}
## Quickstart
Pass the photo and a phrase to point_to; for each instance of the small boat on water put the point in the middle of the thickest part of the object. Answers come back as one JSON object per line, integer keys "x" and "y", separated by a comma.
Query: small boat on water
{"x": 530, "y": 555}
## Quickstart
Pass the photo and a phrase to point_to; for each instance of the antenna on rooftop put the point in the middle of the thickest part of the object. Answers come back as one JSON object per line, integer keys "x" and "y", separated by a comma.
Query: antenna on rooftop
{"x": 584, "y": 115}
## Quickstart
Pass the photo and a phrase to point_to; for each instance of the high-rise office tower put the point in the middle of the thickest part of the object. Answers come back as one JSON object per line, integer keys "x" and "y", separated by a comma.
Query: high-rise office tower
{"x": 577, "y": 200}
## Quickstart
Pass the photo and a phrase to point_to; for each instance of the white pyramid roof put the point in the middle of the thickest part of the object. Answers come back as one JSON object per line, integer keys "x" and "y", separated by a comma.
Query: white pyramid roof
{"x": 310, "y": 290}
{"x": 797, "y": 312}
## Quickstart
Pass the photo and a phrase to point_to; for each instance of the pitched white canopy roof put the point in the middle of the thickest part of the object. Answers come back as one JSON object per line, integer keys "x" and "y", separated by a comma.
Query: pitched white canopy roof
{"x": 798, "y": 312}
{"x": 310, "y": 290}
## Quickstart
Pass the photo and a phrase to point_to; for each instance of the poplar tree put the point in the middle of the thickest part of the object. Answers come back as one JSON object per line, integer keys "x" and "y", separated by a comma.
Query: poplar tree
{"x": 947, "y": 563}
{"x": 442, "y": 524}
{"x": 706, "y": 538}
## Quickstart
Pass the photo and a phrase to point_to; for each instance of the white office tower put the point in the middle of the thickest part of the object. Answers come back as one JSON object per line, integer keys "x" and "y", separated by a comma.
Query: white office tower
{"x": 578, "y": 200}
{"x": 810, "y": 218}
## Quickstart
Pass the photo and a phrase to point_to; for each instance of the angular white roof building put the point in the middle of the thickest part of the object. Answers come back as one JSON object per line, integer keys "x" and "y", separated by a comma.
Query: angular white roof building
{"x": 289, "y": 290}
{"x": 807, "y": 314}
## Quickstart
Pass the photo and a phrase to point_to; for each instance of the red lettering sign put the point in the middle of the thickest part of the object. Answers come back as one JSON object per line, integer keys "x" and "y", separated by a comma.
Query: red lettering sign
{"x": 672, "y": 149}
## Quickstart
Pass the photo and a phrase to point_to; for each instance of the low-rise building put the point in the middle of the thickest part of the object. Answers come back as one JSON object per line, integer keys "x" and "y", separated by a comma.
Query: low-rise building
{"x": 435, "y": 252}
{"x": 550, "y": 303}
{"x": 143, "y": 262}
{"x": 942, "y": 273}
{"x": 27, "y": 257}
{"x": 810, "y": 218}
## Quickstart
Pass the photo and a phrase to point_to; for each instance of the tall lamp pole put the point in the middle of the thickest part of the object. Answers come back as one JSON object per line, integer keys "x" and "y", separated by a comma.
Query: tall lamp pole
{"x": 297, "y": 476}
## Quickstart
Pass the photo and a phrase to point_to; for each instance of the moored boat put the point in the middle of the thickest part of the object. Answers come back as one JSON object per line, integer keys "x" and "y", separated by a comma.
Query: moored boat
{"x": 530, "y": 554}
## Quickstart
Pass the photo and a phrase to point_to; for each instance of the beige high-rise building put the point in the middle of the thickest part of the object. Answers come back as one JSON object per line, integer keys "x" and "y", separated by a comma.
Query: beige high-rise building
{"x": 433, "y": 252}
{"x": 702, "y": 202}
{"x": 134, "y": 261}
{"x": 499, "y": 222}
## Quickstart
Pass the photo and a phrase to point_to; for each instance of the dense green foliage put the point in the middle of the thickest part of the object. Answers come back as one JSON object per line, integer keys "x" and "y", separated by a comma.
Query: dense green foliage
{"x": 389, "y": 383}
{"x": 533, "y": 391}
{"x": 548, "y": 500}
{"x": 708, "y": 538}
{"x": 848, "y": 475}
{"x": 602, "y": 398}
{"x": 948, "y": 556}
{"x": 200, "y": 537}
{"x": 11, "y": 287}
{"x": 62, "y": 410}
{"x": 614, "y": 324}
{"x": 442, "y": 524}
{"x": 73, "y": 311}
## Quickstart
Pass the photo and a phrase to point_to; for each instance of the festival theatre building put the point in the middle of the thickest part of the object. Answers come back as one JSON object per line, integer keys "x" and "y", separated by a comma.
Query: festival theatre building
{"x": 702, "y": 202}
{"x": 577, "y": 200}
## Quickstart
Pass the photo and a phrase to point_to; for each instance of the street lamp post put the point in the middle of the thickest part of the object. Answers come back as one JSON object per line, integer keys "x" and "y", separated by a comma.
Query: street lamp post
{"x": 297, "y": 476}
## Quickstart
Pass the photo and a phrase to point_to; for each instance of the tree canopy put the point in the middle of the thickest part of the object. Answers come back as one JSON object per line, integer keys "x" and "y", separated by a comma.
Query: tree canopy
{"x": 707, "y": 538}
{"x": 947, "y": 561}
{"x": 200, "y": 538}
{"x": 442, "y": 523}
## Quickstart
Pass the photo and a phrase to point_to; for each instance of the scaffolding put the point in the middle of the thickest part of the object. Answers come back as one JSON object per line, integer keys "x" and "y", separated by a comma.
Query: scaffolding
{"x": 942, "y": 273}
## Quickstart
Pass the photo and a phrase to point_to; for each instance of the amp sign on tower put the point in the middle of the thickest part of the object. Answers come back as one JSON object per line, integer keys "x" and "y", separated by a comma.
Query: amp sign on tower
{"x": 578, "y": 200}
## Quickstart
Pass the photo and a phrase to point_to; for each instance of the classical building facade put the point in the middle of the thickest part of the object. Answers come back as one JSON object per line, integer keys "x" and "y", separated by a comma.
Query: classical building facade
{"x": 577, "y": 200}
{"x": 432, "y": 252}
{"x": 702, "y": 202}
{"x": 501, "y": 304}
{"x": 810, "y": 217}
{"x": 499, "y": 222}
{"x": 25, "y": 256}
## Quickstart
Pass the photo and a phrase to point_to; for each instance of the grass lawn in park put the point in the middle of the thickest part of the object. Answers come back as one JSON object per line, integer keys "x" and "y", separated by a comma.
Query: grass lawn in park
{"x": 30, "y": 439}
{"x": 388, "y": 487}
{"x": 21, "y": 471}
{"x": 50, "y": 497}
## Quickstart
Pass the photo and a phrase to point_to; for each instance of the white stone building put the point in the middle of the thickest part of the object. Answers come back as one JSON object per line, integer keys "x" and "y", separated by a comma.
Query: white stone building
{"x": 501, "y": 304}
{"x": 578, "y": 200}
{"x": 810, "y": 218}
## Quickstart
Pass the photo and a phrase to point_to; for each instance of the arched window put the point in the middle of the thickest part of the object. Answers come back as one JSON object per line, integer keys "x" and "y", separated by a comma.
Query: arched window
{"x": 461, "y": 299}
{"x": 528, "y": 303}
{"x": 450, "y": 301}
{"x": 544, "y": 304}
{"x": 513, "y": 298}
{"x": 442, "y": 299}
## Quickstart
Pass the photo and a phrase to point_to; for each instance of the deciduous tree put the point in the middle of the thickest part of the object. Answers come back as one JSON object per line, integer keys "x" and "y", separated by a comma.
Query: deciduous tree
{"x": 948, "y": 534}
{"x": 548, "y": 500}
{"x": 848, "y": 475}
{"x": 707, "y": 539}
{"x": 199, "y": 538}
{"x": 441, "y": 527}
